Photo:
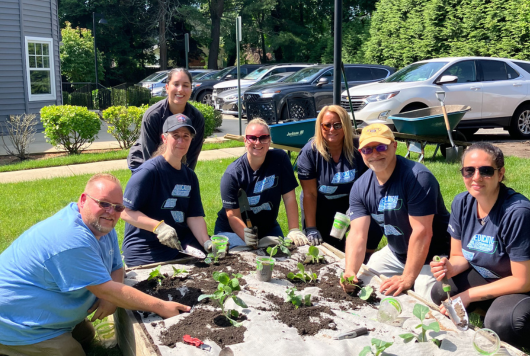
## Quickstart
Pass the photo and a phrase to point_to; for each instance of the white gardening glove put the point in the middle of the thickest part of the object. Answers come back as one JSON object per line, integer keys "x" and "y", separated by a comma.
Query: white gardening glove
{"x": 208, "y": 247}
{"x": 313, "y": 235}
{"x": 251, "y": 237}
{"x": 297, "y": 237}
{"x": 167, "y": 236}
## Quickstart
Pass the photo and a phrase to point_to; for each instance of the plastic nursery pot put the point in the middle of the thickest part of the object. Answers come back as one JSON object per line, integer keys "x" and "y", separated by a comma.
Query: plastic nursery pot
{"x": 486, "y": 342}
{"x": 389, "y": 310}
{"x": 340, "y": 225}
{"x": 219, "y": 244}
{"x": 264, "y": 268}
{"x": 106, "y": 334}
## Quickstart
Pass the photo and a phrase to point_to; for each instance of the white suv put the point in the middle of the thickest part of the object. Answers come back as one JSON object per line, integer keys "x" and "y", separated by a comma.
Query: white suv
{"x": 496, "y": 89}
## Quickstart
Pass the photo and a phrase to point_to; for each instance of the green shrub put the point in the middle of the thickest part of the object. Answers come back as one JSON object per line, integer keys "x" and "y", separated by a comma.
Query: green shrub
{"x": 137, "y": 96}
{"x": 124, "y": 123}
{"x": 70, "y": 127}
{"x": 156, "y": 99}
{"x": 119, "y": 97}
{"x": 212, "y": 118}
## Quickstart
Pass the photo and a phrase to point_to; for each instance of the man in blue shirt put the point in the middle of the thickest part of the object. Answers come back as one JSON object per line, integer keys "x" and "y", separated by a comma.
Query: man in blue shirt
{"x": 64, "y": 268}
{"x": 404, "y": 198}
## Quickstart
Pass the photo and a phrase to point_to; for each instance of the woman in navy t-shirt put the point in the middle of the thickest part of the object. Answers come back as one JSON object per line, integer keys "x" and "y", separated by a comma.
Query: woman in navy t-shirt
{"x": 489, "y": 265}
{"x": 164, "y": 211}
{"x": 266, "y": 176}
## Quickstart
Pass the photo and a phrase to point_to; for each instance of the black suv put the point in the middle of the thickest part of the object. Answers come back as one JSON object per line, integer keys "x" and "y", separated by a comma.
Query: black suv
{"x": 306, "y": 92}
{"x": 202, "y": 90}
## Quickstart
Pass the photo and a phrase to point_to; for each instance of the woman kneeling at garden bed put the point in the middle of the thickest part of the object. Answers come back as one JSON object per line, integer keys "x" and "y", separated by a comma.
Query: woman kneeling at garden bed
{"x": 164, "y": 211}
{"x": 489, "y": 266}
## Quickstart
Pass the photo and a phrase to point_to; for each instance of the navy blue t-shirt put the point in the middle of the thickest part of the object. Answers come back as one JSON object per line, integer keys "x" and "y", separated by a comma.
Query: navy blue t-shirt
{"x": 411, "y": 190}
{"x": 264, "y": 189}
{"x": 491, "y": 243}
{"x": 162, "y": 193}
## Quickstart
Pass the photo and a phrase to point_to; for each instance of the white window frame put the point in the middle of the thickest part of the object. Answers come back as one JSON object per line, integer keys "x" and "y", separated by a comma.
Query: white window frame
{"x": 40, "y": 97}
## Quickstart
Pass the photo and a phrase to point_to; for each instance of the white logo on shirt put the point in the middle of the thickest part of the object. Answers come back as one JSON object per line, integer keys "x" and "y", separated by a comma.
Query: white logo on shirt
{"x": 265, "y": 206}
{"x": 181, "y": 190}
{"x": 388, "y": 202}
{"x": 484, "y": 272}
{"x": 265, "y": 184}
{"x": 453, "y": 230}
{"x": 344, "y": 177}
{"x": 178, "y": 216}
{"x": 379, "y": 218}
{"x": 468, "y": 255}
{"x": 253, "y": 200}
{"x": 392, "y": 230}
{"x": 327, "y": 189}
{"x": 331, "y": 197}
{"x": 169, "y": 203}
{"x": 482, "y": 243}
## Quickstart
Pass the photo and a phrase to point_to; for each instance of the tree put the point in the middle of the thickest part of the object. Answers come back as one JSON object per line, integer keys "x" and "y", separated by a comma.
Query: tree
{"x": 77, "y": 55}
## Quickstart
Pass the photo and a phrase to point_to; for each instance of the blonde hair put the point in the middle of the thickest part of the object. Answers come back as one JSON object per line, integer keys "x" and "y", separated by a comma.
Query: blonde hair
{"x": 320, "y": 144}
{"x": 101, "y": 176}
{"x": 258, "y": 122}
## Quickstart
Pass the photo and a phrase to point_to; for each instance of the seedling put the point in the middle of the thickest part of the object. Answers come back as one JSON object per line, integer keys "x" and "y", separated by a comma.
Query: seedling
{"x": 302, "y": 275}
{"x": 225, "y": 290}
{"x": 420, "y": 311}
{"x": 156, "y": 274}
{"x": 211, "y": 258}
{"x": 314, "y": 255}
{"x": 282, "y": 245}
{"x": 378, "y": 346}
{"x": 177, "y": 271}
{"x": 297, "y": 300}
{"x": 365, "y": 293}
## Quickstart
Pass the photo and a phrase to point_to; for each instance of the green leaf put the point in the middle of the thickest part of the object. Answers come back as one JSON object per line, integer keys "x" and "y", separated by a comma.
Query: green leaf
{"x": 420, "y": 311}
{"x": 313, "y": 251}
{"x": 204, "y": 296}
{"x": 407, "y": 337}
{"x": 290, "y": 275}
{"x": 434, "y": 326}
{"x": 223, "y": 278}
{"x": 366, "y": 292}
{"x": 234, "y": 284}
{"x": 239, "y": 301}
{"x": 381, "y": 343}
{"x": 234, "y": 313}
{"x": 365, "y": 351}
{"x": 269, "y": 249}
{"x": 301, "y": 267}
{"x": 343, "y": 281}
{"x": 235, "y": 323}
{"x": 285, "y": 250}
{"x": 307, "y": 300}
{"x": 227, "y": 289}
{"x": 437, "y": 342}
{"x": 237, "y": 275}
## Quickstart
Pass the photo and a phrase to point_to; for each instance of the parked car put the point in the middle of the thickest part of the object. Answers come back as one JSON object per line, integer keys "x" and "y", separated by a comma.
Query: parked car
{"x": 496, "y": 89}
{"x": 227, "y": 100}
{"x": 306, "y": 92}
{"x": 202, "y": 90}
{"x": 255, "y": 76}
{"x": 196, "y": 72}
{"x": 206, "y": 76}
{"x": 154, "y": 80}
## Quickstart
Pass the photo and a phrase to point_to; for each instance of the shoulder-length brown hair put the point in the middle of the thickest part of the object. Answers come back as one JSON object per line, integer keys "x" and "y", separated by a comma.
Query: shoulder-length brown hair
{"x": 347, "y": 145}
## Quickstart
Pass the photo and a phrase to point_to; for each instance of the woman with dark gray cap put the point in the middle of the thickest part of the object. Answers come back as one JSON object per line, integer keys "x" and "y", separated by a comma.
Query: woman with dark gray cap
{"x": 163, "y": 208}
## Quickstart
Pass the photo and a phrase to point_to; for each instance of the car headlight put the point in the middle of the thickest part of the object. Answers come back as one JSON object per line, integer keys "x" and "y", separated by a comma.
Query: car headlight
{"x": 270, "y": 94}
{"x": 195, "y": 85}
{"x": 381, "y": 97}
{"x": 231, "y": 97}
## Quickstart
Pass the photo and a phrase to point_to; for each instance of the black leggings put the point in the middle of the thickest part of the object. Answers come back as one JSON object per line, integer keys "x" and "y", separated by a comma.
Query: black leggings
{"x": 507, "y": 315}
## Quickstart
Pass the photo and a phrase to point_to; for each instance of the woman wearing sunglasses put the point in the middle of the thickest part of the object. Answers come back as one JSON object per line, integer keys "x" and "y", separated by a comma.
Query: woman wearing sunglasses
{"x": 266, "y": 176}
{"x": 489, "y": 264}
{"x": 163, "y": 208}
{"x": 327, "y": 167}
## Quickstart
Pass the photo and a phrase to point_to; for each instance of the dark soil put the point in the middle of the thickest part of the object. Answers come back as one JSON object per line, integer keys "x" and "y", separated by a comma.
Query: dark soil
{"x": 199, "y": 324}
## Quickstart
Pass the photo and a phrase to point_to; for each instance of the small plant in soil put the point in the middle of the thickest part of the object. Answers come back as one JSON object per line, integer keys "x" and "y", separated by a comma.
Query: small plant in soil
{"x": 313, "y": 255}
{"x": 156, "y": 274}
{"x": 297, "y": 300}
{"x": 225, "y": 290}
{"x": 302, "y": 275}
{"x": 365, "y": 293}
{"x": 377, "y": 348}
{"x": 420, "y": 311}
{"x": 177, "y": 271}
{"x": 211, "y": 258}
{"x": 282, "y": 245}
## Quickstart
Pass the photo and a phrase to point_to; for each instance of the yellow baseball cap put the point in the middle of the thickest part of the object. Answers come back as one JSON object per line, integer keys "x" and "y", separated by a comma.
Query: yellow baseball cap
{"x": 380, "y": 133}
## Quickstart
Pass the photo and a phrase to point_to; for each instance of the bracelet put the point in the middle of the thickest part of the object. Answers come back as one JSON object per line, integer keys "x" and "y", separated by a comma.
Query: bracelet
{"x": 156, "y": 227}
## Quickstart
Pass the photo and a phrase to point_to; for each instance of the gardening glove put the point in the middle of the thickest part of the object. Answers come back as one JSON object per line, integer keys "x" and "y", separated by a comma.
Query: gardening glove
{"x": 167, "y": 236}
{"x": 251, "y": 237}
{"x": 297, "y": 237}
{"x": 313, "y": 235}
{"x": 208, "y": 247}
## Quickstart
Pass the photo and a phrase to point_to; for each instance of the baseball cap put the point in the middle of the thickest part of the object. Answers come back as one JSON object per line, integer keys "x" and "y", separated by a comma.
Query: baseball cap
{"x": 175, "y": 122}
{"x": 380, "y": 133}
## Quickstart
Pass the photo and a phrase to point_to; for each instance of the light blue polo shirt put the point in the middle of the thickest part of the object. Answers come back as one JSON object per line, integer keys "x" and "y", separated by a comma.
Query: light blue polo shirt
{"x": 43, "y": 275}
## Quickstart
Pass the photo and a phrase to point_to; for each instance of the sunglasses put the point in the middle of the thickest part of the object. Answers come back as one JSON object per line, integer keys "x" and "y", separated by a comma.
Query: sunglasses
{"x": 484, "y": 171}
{"x": 261, "y": 139}
{"x": 378, "y": 148}
{"x": 336, "y": 126}
{"x": 104, "y": 205}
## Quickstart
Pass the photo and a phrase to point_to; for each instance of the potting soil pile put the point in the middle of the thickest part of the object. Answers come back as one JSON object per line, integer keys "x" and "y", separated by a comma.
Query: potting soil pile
{"x": 270, "y": 326}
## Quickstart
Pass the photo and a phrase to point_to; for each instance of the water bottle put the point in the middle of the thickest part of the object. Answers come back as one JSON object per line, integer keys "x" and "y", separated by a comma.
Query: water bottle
{"x": 389, "y": 310}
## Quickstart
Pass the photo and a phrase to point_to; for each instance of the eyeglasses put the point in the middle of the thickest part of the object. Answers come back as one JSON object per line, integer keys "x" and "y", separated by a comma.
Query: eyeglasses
{"x": 378, "y": 148}
{"x": 104, "y": 205}
{"x": 261, "y": 139}
{"x": 336, "y": 126}
{"x": 484, "y": 171}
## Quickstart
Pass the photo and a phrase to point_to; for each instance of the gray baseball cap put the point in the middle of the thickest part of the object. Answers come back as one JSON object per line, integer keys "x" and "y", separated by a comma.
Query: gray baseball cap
{"x": 175, "y": 122}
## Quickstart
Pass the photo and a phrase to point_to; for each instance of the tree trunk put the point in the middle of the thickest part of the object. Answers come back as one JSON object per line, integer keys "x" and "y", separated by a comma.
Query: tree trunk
{"x": 162, "y": 44}
{"x": 261, "y": 17}
{"x": 216, "y": 12}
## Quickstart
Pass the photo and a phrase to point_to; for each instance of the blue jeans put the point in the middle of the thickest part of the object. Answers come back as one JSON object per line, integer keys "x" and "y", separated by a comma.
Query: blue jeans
{"x": 234, "y": 240}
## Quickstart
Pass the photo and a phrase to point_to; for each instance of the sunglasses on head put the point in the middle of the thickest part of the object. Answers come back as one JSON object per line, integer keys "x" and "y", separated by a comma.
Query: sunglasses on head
{"x": 261, "y": 139}
{"x": 104, "y": 205}
{"x": 378, "y": 148}
{"x": 336, "y": 126}
{"x": 484, "y": 171}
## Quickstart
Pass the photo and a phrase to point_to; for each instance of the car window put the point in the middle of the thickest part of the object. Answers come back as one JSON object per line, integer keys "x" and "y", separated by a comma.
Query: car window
{"x": 223, "y": 73}
{"x": 524, "y": 65}
{"x": 379, "y": 73}
{"x": 153, "y": 76}
{"x": 466, "y": 71}
{"x": 258, "y": 73}
{"x": 305, "y": 75}
{"x": 358, "y": 74}
{"x": 269, "y": 79}
{"x": 278, "y": 70}
{"x": 329, "y": 74}
{"x": 495, "y": 70}
{"x": 416, "y": 72}
{"x": 512, "y": 73}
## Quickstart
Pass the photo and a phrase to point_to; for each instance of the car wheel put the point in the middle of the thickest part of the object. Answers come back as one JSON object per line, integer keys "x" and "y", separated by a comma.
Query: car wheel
{"x": 297, "y": 112}
{"x": 520, "y": 124}
{"x": 206, "y": 97}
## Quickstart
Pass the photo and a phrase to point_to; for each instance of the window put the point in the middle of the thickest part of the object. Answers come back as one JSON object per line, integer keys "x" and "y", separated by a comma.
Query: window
{"x": 358, "y": 74}
{"x": 40, "y": 69}
{"x": 524, "y": 65}
{"x": 497, "y": 70}
{"x": 379, "y": 73}
{"x": 465, "y": 71}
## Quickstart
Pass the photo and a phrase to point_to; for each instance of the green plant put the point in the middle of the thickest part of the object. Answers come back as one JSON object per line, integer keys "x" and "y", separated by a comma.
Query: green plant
{"x": 302, "y": 275}
{"x": 211, "y": 258}
{"x": 212, "y": 119}
{"x": 297, "y": 300}
{"x": 225, "y": 290}
{"x": 71, "y": 127}
{"x": 366, "y": 292}
{"x": 124, "y": 123}
{"x": 282, "y": 245}
{"x": 378, "y": 346}
{"x": 314, "y": 254}
{"x": 138, "y": 96}
{"x": 420, "y": 311}
{"x": 177, "y": 271}
{"x": 21, "y": 130}
{"x": 156, "y": 274}
{"x": 156, "y": 99}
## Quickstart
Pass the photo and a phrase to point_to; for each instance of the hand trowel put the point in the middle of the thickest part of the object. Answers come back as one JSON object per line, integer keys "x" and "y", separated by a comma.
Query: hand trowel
{"x": 192, "y": 251}
{"x": 244, "y": 207}
{"x": 455, "y": 307}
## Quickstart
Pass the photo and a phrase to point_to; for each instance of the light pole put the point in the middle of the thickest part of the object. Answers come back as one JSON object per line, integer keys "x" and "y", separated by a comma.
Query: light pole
{"x": 101, "y": 21}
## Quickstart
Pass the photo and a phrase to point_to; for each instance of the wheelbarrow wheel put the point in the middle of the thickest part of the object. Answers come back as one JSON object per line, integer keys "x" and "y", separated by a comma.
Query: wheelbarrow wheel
{"x": 457, "y": 136}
